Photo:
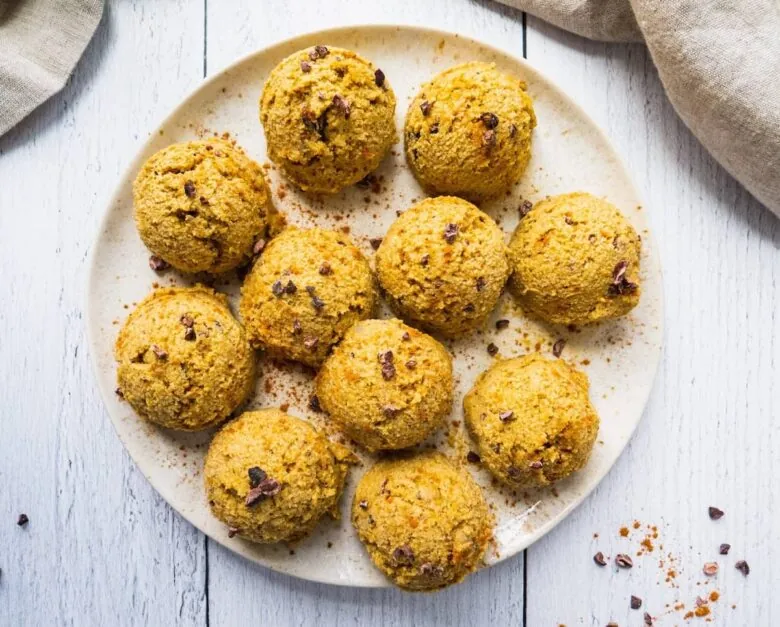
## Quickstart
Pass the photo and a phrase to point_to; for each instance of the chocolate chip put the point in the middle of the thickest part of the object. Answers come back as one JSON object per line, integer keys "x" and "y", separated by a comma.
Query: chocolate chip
{"x": 512, "y": 130}
{"x": 481, "y": 283}
{"x": 379, "y": 77}
{"x": 342, "y": 105}
{"x": 314, "y": 403}
{"x": 710, "y": 569}
{"x": 502, "y": 324}
{"x": 204, "y": 201}
{"x": 266, "y": 488}
{"x": 363, "y": 504}
{"x": 451, "y": 232}
{"x": 599, "y": 559}
{"x": 434, "y": 128}
{"x": 470, "y": 308}
{"x": 506, "y": 416}
{"x": 425, "y": 107}
{"x": 189, "y": 334}
{"x": 159, "y": 352}
{"x": 305, "y": 67}
{"x": 535, "y": 465}
{"x": 724, "y": 549}
{"x": 232, "y": 531}
{"x": 621, "y": 285}
{"x": 187, "y": 321}
{"x": 325, "y": 269}
{"x": 297, "y": 328}
{"x": 473, "y": 458}
{"x": 636, "y": 602}
{"x": 258, "y": 247}
{"x": 490, "y": 120}
{"x": 406, "y": 337}
{"x": 311, "y": 343}
{"x": 411, "y": 364}
{"x": 488, "y": 139}
{"x": 256, "y": 475}
{"x": 277, "y": 289}
{"x": 558, "y": 347}
{"x": 290, "y": 288}
{"x": 648, "y": 619}
{"x": 524, "y": 208}
{"x": 315, "y": 123}
{"x": 424, "y": 260}
{"x": 375, "y": 242}
{"x": 189, "y": 189}
{"x": 492, "y": 349}
{"x": 319, "y": 52}
{"x": 316, "y": 301}
{"x": 386, "y": 360}
{"x": 403, "y": 555}
{"x": 515, "y": 474}
{"x": 390, "y": 412}
{"x": 158, "y": 264}
{"x": 22, "y": 520}
{"x": 715, "y": 513}
{"x": 742, "y": 566}
{"x": 623, "y": 560}
{"x": 119, "y": 393}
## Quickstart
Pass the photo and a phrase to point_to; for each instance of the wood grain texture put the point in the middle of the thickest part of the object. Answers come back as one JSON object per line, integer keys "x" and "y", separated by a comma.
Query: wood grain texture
{"x": 102, "y": 548}
{"x": 710, "y": 433}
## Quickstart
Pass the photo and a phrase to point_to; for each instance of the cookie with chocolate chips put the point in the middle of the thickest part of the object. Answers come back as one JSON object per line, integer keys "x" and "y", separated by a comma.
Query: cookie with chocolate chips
{"x": 328, "y": 116}
{"x": 423, "y": 521}
{"x": 304, "y": 292}
{"x": 271, "y": 477}
{"x": 387, "y": 385}
{"x": 443, "y": 265}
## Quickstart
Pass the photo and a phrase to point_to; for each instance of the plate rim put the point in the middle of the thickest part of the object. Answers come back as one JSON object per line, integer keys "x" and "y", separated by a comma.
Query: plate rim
{"x": 127, "y": 172}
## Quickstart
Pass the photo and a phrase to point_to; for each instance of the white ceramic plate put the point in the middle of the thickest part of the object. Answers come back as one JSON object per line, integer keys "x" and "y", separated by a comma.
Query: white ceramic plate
{"x": 569, "y": 153}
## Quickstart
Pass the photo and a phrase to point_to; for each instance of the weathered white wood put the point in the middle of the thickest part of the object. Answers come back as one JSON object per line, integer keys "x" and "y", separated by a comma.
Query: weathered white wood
{"x": 239, "y": 592}
{"x": 710, "y": 433}
{"x": 101, "y": 547}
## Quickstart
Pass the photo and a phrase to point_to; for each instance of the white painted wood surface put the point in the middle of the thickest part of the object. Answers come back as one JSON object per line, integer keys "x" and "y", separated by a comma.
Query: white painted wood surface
{"x": 102, "y": 548}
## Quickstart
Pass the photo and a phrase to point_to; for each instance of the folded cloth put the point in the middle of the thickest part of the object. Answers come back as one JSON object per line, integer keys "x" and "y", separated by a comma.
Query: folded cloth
{"x": 719, "y": 61}
{"x": 40, "y": 43}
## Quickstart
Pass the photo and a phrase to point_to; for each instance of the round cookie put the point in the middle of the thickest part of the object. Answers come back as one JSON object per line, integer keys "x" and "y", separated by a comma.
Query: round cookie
{"x": 201, "y": 206}
{"x": 183, "y": 360}
{"x": 532, "y": 420}
{"x": 468, "y": 132}
{"x": 424, "y": 522}
{"x": 443, "y": 265}
{"x": 387, "y": 385}
{"x": 271, "y": 477}
{"x": 307, "y": 288}
{"x": 575, "y": 260}
{"x": 329, "y": 118}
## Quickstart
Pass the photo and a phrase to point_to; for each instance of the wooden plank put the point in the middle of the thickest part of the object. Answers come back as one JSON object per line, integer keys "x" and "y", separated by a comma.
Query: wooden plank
{"x": 710, "y": 434}
{"x": 239, "y": 592}
{"x": 101, "y": 547}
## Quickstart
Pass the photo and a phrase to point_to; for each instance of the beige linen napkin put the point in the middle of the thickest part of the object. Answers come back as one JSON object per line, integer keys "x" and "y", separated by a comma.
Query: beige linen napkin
{"x": 40, "y": 43}
{"x": 719, "y": 61}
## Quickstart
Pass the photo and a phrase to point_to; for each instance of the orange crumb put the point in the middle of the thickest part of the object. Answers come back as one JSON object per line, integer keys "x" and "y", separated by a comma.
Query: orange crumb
{"x": 714, "y": 595}
{"x": 624, "y": 531}
{"x": 702, "y": 610}
{"x": 637, "y": 524}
